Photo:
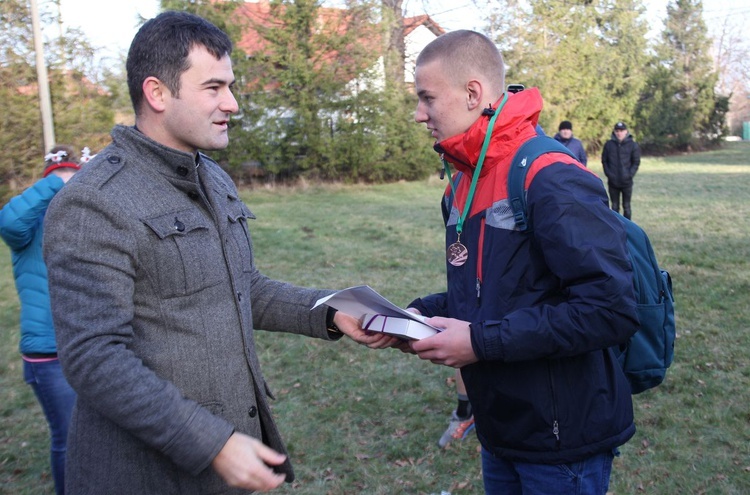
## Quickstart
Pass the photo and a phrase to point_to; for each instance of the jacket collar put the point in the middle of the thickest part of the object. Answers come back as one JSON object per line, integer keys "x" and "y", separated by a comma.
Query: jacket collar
{"x": 515, "y": 124}
{"x": 180, "y": 168}
{"x": 175, "y": 165}
{"x": 628, "y": 137}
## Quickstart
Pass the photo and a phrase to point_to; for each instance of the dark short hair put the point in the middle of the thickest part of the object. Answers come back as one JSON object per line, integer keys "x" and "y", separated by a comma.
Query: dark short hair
{"x": 161, "y": 48}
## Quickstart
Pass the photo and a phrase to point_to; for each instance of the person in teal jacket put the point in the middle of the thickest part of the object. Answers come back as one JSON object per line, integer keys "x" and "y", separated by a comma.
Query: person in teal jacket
{"x": 21, "y": 227}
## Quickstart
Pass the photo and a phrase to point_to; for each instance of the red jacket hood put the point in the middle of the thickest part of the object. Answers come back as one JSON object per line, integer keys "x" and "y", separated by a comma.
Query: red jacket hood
{"x": 515, "y": 124}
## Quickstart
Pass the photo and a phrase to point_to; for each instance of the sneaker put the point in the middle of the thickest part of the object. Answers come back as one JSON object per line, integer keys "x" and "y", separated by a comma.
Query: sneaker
{"x": 458, "y": 429}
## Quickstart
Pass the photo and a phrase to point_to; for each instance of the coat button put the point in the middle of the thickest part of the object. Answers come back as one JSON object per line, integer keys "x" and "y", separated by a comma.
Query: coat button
{"x": 179, "y": 226}
{"x": 183, "y": 171}
{"x": 113, "y": 159}
{"x": 252, "y": 412}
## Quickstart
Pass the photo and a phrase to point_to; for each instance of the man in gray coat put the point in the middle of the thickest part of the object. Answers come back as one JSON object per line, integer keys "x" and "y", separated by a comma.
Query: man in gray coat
{"x": 155, "y": 293}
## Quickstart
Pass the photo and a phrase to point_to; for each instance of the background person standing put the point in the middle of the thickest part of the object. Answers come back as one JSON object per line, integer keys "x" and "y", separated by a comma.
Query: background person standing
{"x": 21, "y": 227}
{"x": 621, "y": 158}
{"x": 565, "y": 137}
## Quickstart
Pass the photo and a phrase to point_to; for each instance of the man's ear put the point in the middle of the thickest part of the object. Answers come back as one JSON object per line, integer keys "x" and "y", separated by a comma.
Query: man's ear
{"x": 155, "y": 93}
{"x": 474, "y": 92}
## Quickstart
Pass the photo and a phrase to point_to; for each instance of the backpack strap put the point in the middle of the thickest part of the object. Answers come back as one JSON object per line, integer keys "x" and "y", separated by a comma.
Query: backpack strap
{"x": 519, "y": 167}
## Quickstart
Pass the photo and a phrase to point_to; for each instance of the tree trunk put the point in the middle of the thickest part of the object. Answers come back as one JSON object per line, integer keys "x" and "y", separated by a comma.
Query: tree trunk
{"x": 394, "y": 46}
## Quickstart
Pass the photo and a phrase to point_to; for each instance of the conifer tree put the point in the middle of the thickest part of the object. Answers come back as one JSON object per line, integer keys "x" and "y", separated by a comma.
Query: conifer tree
{"x": 310, "y": 102}
{"x": 585, "y": 57}
{"x": 679, "y": 108}
{"x": 81, "y": 106}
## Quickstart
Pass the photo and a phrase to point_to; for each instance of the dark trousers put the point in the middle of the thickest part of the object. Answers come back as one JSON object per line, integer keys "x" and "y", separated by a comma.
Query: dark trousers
{"x": 614, "y": 199}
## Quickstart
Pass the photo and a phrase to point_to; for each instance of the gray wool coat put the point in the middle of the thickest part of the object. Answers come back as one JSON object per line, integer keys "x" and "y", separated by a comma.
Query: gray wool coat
{"x": 155, "y": 296}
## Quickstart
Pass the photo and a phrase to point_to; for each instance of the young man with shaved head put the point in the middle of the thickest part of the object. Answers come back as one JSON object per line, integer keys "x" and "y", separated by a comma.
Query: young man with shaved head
{"x": 528, "y": 317}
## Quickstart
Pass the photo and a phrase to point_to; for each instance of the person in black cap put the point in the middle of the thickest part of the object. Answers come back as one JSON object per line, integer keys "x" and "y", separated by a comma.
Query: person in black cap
{"x": 621, "y": 158}
{"x": 565, "y": 136}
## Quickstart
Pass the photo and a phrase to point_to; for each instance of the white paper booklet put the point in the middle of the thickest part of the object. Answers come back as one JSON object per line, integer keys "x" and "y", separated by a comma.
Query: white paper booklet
{"x": 363, "y": 300}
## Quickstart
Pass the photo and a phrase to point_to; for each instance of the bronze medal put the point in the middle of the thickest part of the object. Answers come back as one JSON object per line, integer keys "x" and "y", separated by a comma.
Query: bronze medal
{"x": 457, "y": 254}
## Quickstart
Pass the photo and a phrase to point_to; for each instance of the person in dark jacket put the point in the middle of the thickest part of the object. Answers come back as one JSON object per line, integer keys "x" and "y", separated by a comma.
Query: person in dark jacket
{"x": 621, "y": 158}
{"x": 565, "y": 136}
{"x": 528, "y": 317}
{"x": 461, "y": 421}
{"x": 21, "y": 227}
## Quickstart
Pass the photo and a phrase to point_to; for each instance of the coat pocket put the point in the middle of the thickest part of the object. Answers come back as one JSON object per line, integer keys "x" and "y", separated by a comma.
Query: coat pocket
{"x": 238, "y": 214}
{"x": 187, "y": 255}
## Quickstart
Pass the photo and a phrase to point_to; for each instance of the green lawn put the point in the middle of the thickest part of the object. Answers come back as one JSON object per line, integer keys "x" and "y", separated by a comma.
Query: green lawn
{"x": 361, "y": 421}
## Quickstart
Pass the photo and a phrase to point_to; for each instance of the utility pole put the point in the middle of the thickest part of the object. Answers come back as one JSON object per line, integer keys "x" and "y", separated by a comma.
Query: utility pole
{"x": 45, "y": 101}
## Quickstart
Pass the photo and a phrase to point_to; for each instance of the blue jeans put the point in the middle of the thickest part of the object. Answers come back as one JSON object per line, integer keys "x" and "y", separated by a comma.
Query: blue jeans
{"x": 587, "y": 477}
{"x": 57, "y": 399}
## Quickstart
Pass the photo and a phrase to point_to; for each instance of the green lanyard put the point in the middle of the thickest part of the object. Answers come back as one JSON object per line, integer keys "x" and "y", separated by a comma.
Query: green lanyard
{"x": 477, "y": 171}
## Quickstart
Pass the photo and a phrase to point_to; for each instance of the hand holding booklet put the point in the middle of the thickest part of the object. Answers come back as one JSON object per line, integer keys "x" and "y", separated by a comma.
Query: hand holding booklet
{"x": 378, "y": 314}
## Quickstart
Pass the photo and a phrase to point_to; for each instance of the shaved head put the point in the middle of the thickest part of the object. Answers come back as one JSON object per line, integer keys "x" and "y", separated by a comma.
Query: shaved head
{"x": 467, "y": 55}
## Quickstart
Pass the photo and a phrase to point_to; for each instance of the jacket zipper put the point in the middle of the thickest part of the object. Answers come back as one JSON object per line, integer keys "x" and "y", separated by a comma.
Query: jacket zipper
{"x": 480, "y": 250}
{"x": 555, "y": 423}
{"x": 450, "y": 158}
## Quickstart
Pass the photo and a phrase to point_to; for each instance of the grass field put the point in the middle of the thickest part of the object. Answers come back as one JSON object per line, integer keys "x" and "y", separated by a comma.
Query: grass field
{"x": 361, "y": 421}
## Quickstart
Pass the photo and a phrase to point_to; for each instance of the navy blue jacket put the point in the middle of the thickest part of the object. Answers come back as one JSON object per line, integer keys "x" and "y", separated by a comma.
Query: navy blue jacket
{"x": 575, "y": 146}
{"x": 544, "y": 306}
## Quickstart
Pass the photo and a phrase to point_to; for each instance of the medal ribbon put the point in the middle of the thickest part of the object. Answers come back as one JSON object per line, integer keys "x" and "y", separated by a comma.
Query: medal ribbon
{"x": 477, "y": 171}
